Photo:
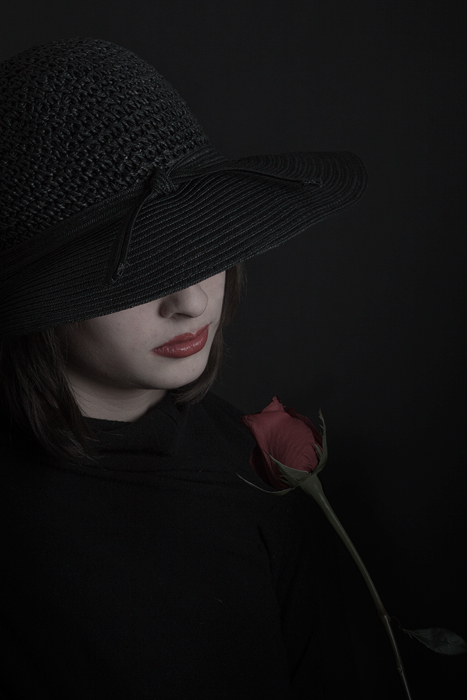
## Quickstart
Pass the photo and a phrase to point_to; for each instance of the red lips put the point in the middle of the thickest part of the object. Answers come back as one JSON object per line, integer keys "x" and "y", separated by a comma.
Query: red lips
{"x": 184, "y": 345}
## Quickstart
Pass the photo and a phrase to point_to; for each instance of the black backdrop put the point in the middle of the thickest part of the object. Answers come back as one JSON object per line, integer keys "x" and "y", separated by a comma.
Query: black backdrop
{"x": 364, "y": 315}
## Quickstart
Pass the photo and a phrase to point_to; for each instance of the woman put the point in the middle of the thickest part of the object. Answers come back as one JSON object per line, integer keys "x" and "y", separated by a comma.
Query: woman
{"x": 138, "y": 563}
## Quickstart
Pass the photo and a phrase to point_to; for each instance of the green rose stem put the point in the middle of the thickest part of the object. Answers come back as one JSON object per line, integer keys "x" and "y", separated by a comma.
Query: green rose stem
{"x": 312, "y": 486}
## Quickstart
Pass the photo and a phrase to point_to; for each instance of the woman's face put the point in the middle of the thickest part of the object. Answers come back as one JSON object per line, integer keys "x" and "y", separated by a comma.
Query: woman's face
{"x": 121, "y": 364}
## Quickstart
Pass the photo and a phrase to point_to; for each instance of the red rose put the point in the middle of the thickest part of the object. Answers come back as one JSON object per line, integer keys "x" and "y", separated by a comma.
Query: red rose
{"x": 290, "y": 452}
{"x": 288, "y": 437}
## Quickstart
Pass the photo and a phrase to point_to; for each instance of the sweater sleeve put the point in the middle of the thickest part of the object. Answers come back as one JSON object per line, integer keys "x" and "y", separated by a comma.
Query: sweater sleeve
{"x": 303, "y": 551}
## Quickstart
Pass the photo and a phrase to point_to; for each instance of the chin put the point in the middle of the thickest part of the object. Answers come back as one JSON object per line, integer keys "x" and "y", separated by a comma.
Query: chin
{"x": 181, "y": 378}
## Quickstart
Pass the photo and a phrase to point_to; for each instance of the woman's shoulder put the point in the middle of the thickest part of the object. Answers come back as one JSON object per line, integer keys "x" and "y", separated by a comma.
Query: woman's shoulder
{"x": 215, "y": 404}
{"x": 223, "y": 417}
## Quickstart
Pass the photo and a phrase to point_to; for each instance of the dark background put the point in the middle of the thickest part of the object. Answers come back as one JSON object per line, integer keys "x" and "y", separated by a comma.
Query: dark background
{"x": 363, "y": 315}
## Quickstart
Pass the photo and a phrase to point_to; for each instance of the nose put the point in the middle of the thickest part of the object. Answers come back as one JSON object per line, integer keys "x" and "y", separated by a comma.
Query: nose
{"x": 191, "y": 301}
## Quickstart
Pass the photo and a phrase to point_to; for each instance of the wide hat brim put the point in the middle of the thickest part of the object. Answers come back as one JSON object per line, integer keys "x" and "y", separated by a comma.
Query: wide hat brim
{"x": 205, "y": 225}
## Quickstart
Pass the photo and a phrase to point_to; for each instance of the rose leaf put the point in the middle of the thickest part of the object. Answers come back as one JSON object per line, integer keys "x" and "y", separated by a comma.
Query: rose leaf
{"x": 441, "y": 640}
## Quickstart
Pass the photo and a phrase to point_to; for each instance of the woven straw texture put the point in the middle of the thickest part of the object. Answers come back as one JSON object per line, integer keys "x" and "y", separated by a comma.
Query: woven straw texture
{"x": 67, "y": 138}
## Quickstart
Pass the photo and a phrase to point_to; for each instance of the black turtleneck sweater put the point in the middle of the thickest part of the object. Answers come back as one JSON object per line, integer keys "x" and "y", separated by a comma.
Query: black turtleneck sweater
{"x": 160, "y": 575}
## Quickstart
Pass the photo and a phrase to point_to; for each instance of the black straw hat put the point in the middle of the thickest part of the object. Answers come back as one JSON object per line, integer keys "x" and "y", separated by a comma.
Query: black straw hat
{"x": 111, "y": 195}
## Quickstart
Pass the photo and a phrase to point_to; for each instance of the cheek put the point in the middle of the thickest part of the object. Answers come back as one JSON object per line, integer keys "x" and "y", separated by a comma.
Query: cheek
{"x": 216, "y": 290}
{"x": 123, "y": 343}
{"x": 120, "y": 332}
{"x": 101, "y": 343}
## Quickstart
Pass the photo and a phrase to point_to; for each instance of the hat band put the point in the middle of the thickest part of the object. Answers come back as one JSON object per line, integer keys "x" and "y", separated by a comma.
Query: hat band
{"x": 162, "y": 184}
{"x": 17, "y": 260}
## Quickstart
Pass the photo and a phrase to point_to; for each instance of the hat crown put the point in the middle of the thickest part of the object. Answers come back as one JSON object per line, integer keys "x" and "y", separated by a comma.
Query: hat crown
{"x": 82, "y": 120}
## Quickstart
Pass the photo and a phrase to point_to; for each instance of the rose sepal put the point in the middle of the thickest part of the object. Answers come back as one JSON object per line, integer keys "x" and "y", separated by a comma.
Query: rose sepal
{"x": 275, "y": 493}
{"x": 296, "y": 477}
{"x": 293, "y": 477}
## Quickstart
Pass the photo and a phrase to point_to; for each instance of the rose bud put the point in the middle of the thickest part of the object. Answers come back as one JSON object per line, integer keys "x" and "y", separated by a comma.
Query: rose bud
{"x": 287, "y": 437}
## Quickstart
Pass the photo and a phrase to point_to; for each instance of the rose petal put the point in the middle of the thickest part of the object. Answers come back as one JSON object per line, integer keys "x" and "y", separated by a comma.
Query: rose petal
{"x": 287, "y": 436}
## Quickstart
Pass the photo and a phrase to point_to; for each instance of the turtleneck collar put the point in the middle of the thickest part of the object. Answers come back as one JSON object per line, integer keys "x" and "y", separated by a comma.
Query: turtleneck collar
{"x": 156, "y": 432}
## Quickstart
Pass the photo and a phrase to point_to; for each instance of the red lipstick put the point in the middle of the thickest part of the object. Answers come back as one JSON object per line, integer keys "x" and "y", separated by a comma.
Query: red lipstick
{"x": 184, "y": 345}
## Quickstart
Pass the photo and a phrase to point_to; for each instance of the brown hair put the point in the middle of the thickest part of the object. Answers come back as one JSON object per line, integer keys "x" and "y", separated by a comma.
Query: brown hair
{"x": 36, "y": 395}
